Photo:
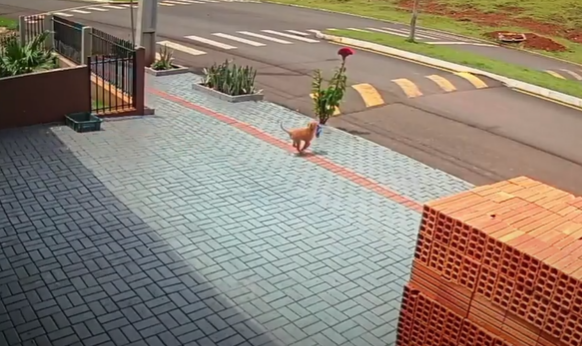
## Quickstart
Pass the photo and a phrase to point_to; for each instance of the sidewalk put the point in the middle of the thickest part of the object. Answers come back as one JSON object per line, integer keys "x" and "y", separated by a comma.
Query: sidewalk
{"x": 404, "y": 175}
{"x": 193, "y": 227}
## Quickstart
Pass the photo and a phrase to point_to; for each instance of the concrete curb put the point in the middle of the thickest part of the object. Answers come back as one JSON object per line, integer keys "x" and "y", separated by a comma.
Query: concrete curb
{"x": 511, "y": 83}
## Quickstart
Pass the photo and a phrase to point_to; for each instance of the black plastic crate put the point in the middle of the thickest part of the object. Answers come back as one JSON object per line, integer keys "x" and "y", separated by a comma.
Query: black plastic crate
{"x": 83, "y": 122}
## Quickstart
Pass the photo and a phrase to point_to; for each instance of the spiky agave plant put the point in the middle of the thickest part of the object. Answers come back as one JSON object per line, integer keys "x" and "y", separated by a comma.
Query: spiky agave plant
{"x": 17, "y": 59}
{"x": 165, "y": 60}
{"x": 231, "y": 79}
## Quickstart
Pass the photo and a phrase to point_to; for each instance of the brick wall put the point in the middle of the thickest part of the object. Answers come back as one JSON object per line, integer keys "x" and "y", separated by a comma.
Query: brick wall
{"x": 44, "y": 97}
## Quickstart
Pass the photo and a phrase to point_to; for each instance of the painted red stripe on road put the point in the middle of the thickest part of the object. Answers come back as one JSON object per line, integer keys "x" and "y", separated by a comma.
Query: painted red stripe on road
{"x": 318, "y": 160}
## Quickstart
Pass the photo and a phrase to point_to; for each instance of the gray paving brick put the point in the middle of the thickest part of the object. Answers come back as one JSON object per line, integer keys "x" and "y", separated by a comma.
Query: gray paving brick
{"x": 129, "y": 236}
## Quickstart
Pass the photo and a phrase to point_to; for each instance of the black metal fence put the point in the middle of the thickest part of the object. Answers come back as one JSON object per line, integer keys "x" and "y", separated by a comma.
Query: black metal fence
{"x": 68, "y": 39}
{"x": 34, "y": 26}
{"x": 103, "y": 43}
{"x": 113, "y": 82}
{"x": 112, "y": 61}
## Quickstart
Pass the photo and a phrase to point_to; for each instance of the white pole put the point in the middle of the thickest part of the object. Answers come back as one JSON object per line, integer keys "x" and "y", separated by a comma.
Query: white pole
{"x": 132, "y": 24}
{"x": 412, "y": 36}
{"x": 147, "y": 20}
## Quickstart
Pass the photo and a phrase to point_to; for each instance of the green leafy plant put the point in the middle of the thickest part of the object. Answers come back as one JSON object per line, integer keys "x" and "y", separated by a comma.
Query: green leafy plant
{"x": 17, "y": 59}
{"x": 327, "y": 99}
{"x": 230, "y": 79}
{"x": 165, "y": 60}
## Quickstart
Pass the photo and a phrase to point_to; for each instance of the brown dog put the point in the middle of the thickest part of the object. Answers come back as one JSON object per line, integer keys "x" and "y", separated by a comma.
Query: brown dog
{"x": 302, "y": 134}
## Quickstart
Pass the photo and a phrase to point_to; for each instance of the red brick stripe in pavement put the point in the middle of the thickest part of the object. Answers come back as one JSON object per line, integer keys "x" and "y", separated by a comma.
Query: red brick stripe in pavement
{"x": 318, "y": 160}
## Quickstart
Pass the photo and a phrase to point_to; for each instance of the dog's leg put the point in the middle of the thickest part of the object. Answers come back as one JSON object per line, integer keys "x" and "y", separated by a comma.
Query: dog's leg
{"x": 296, "y": 144}
{"x": 305, "y": 145}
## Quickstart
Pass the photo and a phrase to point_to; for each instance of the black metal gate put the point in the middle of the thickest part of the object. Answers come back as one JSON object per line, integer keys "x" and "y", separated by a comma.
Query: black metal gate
{"x": 113, "y": 70}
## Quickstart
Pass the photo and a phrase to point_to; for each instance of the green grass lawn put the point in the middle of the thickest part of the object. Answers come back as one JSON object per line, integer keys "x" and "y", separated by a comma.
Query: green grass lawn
{"x": 11, "y": 24}
{"x": 97, "y": 104}
{"x": 535, "y": 77}
{"x": 566, "y": 12}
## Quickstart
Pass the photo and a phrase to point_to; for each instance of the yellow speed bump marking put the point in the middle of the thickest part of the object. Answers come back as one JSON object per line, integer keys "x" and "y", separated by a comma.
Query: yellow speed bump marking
{"x": 555, "y": 74}
{"x": 573, "y": 74}
{"x": 409, "y": 88}
{"x": 335, "y": 113}
{"x": 442, "y": 82}
{"x": 477, "y": 83}
{"x": 369, "y": 94}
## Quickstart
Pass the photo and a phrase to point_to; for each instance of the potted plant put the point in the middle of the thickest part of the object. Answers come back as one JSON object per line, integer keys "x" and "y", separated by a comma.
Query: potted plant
{"x": 230, "y": 82}
{"x": 327, "y": 99}
{"x": 164, "y": 66}
{"x": 17, "y": 59}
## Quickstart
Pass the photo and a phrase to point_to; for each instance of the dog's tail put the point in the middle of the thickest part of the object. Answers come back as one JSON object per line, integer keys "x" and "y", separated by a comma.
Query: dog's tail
{"x": 284, "y": 129}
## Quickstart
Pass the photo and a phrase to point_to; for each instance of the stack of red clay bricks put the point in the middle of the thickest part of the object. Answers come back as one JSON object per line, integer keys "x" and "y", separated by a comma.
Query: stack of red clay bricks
{"x": 498, "y": 265}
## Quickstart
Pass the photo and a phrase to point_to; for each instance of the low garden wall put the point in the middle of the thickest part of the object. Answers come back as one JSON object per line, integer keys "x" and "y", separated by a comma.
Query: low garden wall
{"x": 44, "y": 97}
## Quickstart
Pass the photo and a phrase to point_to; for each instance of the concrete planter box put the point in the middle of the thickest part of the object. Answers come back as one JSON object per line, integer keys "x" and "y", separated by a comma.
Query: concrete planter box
{"x": 176, "y": 70}
{"x": 225, "y": 97}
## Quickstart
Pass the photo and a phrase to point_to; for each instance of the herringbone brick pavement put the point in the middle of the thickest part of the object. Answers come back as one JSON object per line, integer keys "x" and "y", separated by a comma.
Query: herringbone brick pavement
{"x": 408, "y": 177}
{"x": 178, "y": 229}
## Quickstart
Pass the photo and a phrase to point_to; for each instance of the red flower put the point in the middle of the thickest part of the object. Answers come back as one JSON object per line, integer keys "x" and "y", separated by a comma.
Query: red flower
{"x": 345, "y": 52}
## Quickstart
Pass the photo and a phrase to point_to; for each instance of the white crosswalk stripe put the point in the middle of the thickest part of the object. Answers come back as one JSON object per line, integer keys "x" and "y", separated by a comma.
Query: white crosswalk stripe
{"x": 388, "y": 32}
{"x": 240, "y": 39}
{"x": 181, "y": 48}
{"x": 359, "y": 30}
{"x": 407, "y": 33}
{"x": 168, "y": 3}
{"x": 443, "y": 35}
{"x": 210, "y": 42}
{"x": 295, "y": 37}
{"x": 264, "y": 37}
{"x": 298, "y": 32}
{"x": 452, "y": 43}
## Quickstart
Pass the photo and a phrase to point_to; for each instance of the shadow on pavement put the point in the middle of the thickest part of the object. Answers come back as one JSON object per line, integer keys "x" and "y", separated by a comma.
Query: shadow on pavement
{"x": 78, "y": 266}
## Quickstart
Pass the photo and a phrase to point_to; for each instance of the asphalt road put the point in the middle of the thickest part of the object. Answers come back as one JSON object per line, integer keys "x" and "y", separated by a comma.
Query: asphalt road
{"x": 218, "y": 17}
{"x": 15, "y": 8}
{"x": 479, "y": 135}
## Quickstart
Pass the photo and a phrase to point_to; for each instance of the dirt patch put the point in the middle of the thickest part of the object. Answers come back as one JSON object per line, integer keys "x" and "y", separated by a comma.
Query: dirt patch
{"x": 533, "y": 41}
{"x": 504, "y": 17}
{"x": 575, "y": 37}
